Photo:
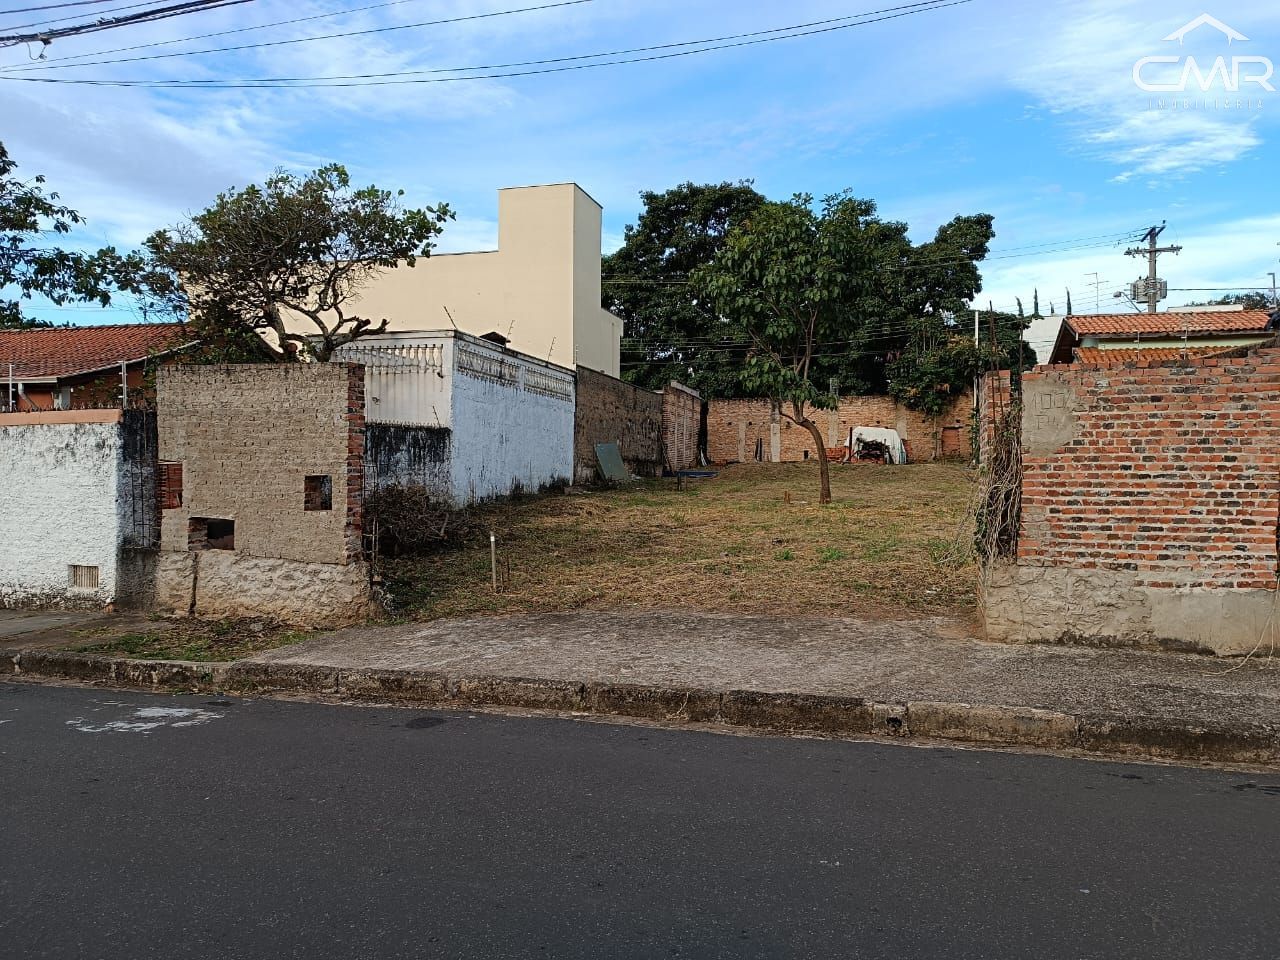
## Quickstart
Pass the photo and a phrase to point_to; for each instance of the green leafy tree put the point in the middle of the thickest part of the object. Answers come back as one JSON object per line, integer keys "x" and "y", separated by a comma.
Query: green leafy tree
{"x": 670, "y": 332}
{"x": 298, "y": 247}
{"x": 791, "y": 278}
{"x": 930, "y": 380}
{"x": 30, "y": 267}
{"x": 1256, "y": 300}
{"x": 908, "y": 314}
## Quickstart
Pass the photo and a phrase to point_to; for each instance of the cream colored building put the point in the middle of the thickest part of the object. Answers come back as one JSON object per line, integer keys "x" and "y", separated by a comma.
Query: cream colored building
{"x": 540, "y": 289}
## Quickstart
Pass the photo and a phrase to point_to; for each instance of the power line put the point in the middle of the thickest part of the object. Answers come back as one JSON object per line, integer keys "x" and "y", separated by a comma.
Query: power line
{"x": 80, "y": 16}
{"x": 910, "y": 264}
{"x": 145, "y": 16}
{"x": 1113, "y": 238}
{"x": 209, "y": 36}
{"x": 54, "y": 6}
{"x": 330, "y": 36}
{"x": 417, "y": 76}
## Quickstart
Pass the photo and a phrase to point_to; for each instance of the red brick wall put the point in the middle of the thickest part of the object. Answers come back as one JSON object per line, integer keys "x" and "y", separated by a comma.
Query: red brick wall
{"x": 923, "y": 436}
{"x": 1158, "y": 469}
{"x": 681, "y": 422}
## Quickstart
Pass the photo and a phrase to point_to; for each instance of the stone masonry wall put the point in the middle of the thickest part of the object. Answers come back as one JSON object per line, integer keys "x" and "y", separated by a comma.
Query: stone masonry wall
{"x": 735, "y": 426}
{"x": 1149, "y": 504}
{"x": 248, "y": 437}
{"x": 611, "y": 410}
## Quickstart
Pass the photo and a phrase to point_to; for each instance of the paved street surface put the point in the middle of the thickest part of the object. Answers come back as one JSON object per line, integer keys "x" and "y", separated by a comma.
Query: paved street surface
{"x": 140, "y": 826}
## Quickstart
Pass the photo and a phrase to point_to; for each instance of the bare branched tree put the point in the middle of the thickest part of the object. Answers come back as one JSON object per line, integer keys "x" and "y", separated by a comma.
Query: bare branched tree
{"x": 288, "y": 259}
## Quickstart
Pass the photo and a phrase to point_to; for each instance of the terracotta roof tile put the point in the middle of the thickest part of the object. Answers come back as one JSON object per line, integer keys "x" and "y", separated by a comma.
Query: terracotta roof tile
{"x": 1096, "y": 355}
{"x": 1130, "y": 324}
{"x": 47, "y": 352}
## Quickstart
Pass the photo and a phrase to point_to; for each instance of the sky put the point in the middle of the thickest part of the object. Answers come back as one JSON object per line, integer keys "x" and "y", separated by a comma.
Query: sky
{"x": 1027, "y": 111}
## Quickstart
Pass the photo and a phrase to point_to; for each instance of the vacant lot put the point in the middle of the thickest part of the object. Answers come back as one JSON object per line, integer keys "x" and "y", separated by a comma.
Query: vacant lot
{"x": 752, "y": 539}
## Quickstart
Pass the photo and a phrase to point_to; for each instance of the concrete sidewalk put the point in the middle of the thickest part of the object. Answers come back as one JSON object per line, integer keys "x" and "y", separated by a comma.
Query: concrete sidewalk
{"x": 844, "y": 677}
{"x": 885, "y": 661}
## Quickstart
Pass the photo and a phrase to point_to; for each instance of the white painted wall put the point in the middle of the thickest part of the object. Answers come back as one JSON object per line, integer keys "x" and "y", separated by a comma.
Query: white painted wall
{"x": 509, "y": 430}
{"x": 510, "y": 416}
{"x": 59, "y": 505}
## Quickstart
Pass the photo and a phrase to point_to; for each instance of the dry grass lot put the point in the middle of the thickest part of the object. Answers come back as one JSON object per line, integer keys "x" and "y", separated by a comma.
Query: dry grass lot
{"x": 891, "y": 544}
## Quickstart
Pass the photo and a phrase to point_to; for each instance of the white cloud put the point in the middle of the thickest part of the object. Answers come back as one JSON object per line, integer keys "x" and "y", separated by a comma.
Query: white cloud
{"x": 1082, "y": 73}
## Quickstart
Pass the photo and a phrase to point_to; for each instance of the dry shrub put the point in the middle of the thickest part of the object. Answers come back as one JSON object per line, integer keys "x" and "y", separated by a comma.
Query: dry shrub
{"x": 999, "y": 504}
{"x": 406, "y": 519}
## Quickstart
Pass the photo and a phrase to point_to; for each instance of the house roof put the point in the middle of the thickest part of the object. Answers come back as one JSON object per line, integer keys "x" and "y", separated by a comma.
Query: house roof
{"x": 1136, "y": 326}
{"x": 1097, "y": 355}
{"x": 1172, "y": 324}
{"x": 46, "y": 353}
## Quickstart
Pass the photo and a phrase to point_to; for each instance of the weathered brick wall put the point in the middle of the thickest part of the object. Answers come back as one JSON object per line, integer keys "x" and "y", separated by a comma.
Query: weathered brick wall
{"x": 608, "y": 409}
{"x": 1149, "y": 506}
{"x": 247, "y": 435}
{"x": 735, "y": 426}
{"x": 681, "y": 425}
{"x": 1155, "y": 469}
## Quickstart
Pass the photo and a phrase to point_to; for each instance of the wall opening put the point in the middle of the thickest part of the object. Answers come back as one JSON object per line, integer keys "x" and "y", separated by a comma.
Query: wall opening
{"x": 317, "y": 492}
{"x": 211, "y": 533}
{"x": 169, "y": 484}
{"x": 82, "y": 577}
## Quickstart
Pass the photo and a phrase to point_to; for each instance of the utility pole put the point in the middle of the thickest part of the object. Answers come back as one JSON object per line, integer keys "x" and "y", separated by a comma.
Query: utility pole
{"x": 1152, "y": 251}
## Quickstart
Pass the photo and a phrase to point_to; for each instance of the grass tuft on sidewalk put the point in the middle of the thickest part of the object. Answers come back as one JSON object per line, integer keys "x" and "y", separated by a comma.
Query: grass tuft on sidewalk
{"x": 891, "y": 544}
{"x": 203, "y": 641}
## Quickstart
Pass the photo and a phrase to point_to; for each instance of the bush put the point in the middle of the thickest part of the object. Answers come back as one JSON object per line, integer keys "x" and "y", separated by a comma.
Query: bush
{"x": 407, "y": 519}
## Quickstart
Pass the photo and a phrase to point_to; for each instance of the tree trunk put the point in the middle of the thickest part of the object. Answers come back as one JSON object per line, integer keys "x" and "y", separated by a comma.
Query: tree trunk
{"x": 824, "y": 469}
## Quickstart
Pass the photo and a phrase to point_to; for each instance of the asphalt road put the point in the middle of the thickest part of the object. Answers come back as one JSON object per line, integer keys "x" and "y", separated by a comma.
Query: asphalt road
{"x": 141, "y": 826}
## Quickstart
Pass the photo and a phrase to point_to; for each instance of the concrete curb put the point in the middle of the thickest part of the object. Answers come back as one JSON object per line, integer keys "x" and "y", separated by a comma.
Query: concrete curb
{"x": 994, "y": 724}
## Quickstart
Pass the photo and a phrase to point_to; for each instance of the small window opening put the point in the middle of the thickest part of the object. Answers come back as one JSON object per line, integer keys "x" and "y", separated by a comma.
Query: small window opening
{"x": 317, "y": 493}
{"x": 211, "y": 533}
{"x": 82, "y": 577}
{"x": 169, "y": 484}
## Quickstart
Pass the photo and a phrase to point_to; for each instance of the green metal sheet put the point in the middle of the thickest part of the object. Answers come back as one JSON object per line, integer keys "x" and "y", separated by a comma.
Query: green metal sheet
{"x": 611, "y": 464}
